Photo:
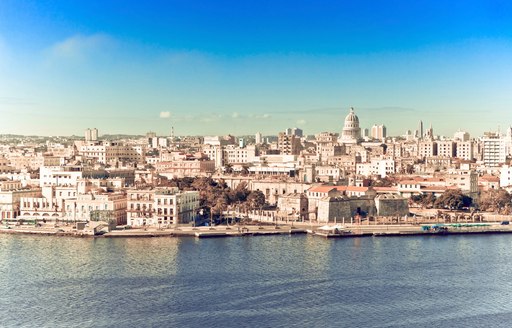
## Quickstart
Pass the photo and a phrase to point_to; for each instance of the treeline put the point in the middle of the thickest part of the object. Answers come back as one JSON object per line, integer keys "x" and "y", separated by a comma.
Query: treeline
{"x": 494, "y": 200}
{"x": 217, "y": 196}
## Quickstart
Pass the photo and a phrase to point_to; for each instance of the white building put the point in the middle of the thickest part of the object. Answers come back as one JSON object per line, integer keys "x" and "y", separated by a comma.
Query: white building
{"x": 59, "y": 175}
{"x": 155, "y": 207}
{"x": 493, "y": 149}
{"x": 351, "y": 131}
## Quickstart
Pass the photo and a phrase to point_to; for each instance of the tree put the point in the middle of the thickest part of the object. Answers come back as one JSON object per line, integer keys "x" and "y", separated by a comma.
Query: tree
{"x": 256, "y": 199}
{"x": 498, "y": 200}
{"x": 384, "y": 182}
{"x": 425, "y": 200}
{"x": 245, "y": 170}
{"x": 453, "y": 199}
{"x": 228, "y": 168}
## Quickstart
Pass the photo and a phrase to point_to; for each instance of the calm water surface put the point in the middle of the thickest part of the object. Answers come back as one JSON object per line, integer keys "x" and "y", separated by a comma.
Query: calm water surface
{"x": 284, "y": 281}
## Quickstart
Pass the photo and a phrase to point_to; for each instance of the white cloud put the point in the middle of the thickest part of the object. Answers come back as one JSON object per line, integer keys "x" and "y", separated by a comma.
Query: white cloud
{"x": 79, "y": 46}
{"x": 260, "y": 116}
{"x": 235, "y": 115}
{"x": 301, "y": 122}
{"x": 165, "y": 114}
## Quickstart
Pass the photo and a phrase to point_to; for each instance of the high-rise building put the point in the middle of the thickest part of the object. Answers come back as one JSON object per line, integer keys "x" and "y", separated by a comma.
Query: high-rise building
{"x": 379, "y": 132}
{"x": 91, "y": 134}
{"x": 294, "y": 132}
{"x": 493, "y": 149}
{"x": 259, "y": 138}
{"x": 461, "y": 136}
{"x": 288, "y": 144}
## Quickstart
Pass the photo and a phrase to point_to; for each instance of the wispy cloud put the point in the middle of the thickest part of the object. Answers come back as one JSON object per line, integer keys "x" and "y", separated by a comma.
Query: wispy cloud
{"x": 260, "y": 116}
{"x": 165, "y": 114}
{"x": 212, "y": 117}
{"x": 301, "y": 122}
{"x": 235, "y": 115}
{"x": 80, "y": 46}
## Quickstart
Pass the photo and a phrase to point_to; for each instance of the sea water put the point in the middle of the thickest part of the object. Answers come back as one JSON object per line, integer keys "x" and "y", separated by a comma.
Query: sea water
{"x": 266, "y": 281}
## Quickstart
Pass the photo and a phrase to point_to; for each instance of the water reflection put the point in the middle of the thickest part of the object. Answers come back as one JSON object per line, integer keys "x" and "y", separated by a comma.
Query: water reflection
{"x": 455, "y": 281}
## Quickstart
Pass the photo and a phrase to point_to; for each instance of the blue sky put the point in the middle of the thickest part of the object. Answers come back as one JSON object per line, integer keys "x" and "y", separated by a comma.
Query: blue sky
{"x": 239, "y": 67}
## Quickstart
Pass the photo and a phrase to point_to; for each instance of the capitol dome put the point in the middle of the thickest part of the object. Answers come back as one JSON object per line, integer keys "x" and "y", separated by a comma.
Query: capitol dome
{"x": 351, "y": 131}
{"x": 352, "y": 117}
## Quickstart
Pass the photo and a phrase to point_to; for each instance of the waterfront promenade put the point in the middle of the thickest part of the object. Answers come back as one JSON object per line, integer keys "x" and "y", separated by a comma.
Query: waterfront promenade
{"x": 256, "y": 229}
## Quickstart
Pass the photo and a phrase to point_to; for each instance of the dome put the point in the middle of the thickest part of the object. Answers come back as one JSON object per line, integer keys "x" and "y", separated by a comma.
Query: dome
{"x": 352, "y": 117}
{"x": 351, "y": 131}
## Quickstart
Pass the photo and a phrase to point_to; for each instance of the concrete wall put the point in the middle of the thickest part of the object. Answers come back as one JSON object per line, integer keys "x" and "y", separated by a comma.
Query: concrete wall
{"x": 391, "y": 205}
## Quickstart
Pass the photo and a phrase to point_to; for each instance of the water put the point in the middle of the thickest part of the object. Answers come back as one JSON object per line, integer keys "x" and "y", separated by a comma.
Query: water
{"x": 272, "y": 281}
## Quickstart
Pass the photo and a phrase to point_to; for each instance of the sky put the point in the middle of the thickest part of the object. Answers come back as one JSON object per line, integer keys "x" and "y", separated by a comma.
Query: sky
{"x": 241, "y": 67}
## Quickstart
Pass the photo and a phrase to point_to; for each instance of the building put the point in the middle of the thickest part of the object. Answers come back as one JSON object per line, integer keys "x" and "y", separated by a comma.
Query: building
{"x": 186, "y": 168}
{"x": 446, "y": 148}
{"x": 11, "y": 192}
{"x": 111, "y": 152}
{"x": 379, "y": 132}
{"x": 464, "y": 150}
{"x": 108, "y": 207}
{"x": 288, "y": 144}
{"x": 293, "y": 207}
{"x": 461, "y": 136}
{"x": 59, "y": 175}
{"x": 493, "y": 149}
{"x": 427, "y": 149}
{"x": 91, "y": 134}
{"x": 163, "y": 206}
{"x": 351, "y": 131}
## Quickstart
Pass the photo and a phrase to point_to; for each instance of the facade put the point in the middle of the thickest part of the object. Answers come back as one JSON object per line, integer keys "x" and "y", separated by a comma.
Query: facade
{"x": 493, "y": 149}
{"x": 464, "y": 150}
{"x": 155, "y": 207}
{"x": 109, "y": 207}
{"x": 11, "y": 192}
{"x": 446, "y": 148}
{"x": 59, "y": 175}
{"x": 110, "y": 152}
{"x": 293, "y": 206}
{"x": 288, "y": 144}
{"x": 427, "y": 149}
{"x": 186, "y": 168}
{"x": 238, "y": 155}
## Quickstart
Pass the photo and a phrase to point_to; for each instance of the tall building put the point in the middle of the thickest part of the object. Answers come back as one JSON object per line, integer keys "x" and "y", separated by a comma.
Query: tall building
{"x": 379, "y": 132}
{"x": 420, "y": 130}
{"x": 461, "y": 136}
{"x": 351, "y": 131}
{"x": 294, "y": 132}
{"x": 288, "y": 144}
{"x": 493, "y": 149}
{"x": 259, "y": 138}
{"x": 91, "y": 134}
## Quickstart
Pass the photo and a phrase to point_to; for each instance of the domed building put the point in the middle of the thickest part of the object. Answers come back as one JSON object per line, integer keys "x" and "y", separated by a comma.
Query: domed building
{"x": 351, "y": 130}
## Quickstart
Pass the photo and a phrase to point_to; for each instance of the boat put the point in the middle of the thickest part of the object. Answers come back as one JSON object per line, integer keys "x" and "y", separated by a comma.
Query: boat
{"x": 331, "y": 231}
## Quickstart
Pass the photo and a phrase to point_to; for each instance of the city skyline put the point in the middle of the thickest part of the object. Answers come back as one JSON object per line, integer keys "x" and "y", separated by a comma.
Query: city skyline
{"x": 242, "y": 68}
